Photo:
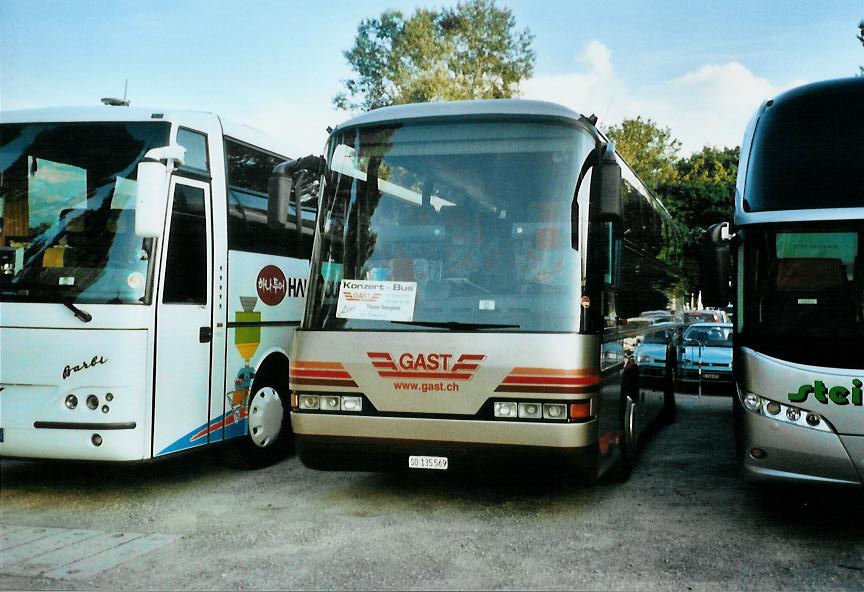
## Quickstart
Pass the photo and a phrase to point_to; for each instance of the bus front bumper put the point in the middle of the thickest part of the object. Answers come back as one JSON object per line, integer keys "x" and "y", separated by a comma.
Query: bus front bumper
{"x": 363, "y": 443}
{"x": 797, "y": 454}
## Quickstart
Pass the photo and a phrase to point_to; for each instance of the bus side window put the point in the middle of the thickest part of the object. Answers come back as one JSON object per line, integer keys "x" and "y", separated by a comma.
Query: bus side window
{"x": 186, "y": 260}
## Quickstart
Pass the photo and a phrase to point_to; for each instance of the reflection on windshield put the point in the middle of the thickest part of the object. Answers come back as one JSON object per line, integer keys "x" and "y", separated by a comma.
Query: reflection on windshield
{"x": 68, "y": 196}
{"x": 475, "y": 216}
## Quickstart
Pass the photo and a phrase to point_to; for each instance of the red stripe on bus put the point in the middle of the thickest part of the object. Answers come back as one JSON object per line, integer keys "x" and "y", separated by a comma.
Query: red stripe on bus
{"x": 322, "y": 373}
{"x": 318, "y": 365}
{"x": 574, "y": 380}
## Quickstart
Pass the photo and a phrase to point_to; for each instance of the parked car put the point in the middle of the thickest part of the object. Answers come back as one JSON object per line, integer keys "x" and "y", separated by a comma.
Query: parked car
{"x": 650, "y": 354}
{"x": 707, "y": 316}
{"x": 706, "y": 355}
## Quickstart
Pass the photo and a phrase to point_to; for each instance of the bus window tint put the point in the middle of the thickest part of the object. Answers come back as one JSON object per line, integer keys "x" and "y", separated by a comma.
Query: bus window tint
{"x": 248, "y": 170}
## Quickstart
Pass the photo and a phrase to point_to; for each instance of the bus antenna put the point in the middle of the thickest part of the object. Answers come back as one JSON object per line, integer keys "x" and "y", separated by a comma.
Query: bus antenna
{"x": 113, "y": 102}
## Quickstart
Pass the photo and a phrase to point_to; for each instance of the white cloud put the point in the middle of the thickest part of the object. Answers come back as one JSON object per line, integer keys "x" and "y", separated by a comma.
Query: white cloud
{"x": 708, "y": 106}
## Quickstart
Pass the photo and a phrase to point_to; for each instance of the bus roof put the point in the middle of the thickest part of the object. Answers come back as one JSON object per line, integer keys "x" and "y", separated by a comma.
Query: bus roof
{"x": 495, "y": 107}
{"x": 200, "y": 120}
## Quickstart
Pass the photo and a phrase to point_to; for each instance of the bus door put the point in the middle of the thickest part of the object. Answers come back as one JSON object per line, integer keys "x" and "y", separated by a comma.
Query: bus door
{"x": 184, "y": 322}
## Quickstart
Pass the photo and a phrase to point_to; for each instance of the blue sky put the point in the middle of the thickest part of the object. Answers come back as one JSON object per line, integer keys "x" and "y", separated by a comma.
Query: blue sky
{"x": 700, "y": 68}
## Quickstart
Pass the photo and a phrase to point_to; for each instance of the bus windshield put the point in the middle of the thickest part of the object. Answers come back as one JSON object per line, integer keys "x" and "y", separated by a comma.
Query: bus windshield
{"x": 807, "y": 153}
{"x": 475, "y": 217}
{"x": 804, "y": 292}
{"x": 67, "y": 204}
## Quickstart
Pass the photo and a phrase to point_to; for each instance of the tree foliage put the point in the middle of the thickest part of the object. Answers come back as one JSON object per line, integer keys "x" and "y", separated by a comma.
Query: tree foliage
{"x": 650, "y": 150}
{"x": 701, "y": 193}
{"x": 861, "y": 39}
{"x": 472, "y": 51}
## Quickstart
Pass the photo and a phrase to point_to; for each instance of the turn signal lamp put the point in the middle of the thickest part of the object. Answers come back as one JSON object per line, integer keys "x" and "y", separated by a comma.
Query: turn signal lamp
{"x": 580, "y": 410}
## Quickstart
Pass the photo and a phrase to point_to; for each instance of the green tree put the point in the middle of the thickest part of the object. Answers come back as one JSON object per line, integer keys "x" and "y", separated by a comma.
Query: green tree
{"x": 650, "y": 150}
{"x": 701, "y": 193}
{"x": 472, "y": 51}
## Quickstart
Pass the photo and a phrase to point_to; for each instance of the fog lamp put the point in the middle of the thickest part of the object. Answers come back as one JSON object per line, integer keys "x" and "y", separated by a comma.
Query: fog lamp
{"x": 352, "y": 403}
{"x": 96, "y": 439}
{"x": 758, "y": 453}
{"x": 506, "y": 409}
{"x": 530, "y": 410}
{"x": 71, "y": 401}
{"x": 92, "y": 402}
{"x": 773, "y": 407}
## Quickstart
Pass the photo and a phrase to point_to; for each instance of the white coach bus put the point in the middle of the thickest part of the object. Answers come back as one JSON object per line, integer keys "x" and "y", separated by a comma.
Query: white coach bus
{"x": 147, "y": 305}
{"x": 474, "y": 270}
{"x": 798, "y": 279}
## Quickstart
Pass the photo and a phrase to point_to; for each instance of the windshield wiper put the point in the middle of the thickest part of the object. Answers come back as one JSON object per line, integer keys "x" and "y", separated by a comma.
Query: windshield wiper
{"x": 456, "y": 326}
{"x": 83, "y": 316}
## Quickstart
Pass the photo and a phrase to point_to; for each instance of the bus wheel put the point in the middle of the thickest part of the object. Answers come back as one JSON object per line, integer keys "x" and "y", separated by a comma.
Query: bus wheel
{"x": 628, "y": 445}
{"x": 269, "y": 437}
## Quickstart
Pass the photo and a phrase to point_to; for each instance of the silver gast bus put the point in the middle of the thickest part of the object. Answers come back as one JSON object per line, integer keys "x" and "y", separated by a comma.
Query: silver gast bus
{"x": 147, "y": 305}
{"x": 474, "y": 267}
{"x": 798, "y": 281}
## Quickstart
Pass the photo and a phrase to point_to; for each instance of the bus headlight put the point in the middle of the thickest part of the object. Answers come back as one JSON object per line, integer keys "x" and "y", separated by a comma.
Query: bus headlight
{"x": 784, "y": 413}
{"x": 506, "y": 409}
{"x": 71, "y": 401}
{"x": 554, "y": 411}
{"x": 753, "y": 402}
{"x": 352, "y": 403}
{"x": 329, "y": 403}
{"x": 530, "y": 410}
{"x": 308, "y": 402}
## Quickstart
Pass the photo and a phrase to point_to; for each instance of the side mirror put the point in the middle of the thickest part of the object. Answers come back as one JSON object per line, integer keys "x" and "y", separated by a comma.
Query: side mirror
{"x": 606, "y": 185}
{"x": 716, "y": 266}
{"x": 151, "y": 189}
{"x": 284, "y": 187}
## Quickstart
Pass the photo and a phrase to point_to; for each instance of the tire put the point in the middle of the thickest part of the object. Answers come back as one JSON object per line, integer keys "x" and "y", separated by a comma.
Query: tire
{"x": 269, "y": 438}
{"x": 628, "y": 446}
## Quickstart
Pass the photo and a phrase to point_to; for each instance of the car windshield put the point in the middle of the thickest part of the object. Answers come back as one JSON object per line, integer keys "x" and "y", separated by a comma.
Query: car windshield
{"x": 657, "y": 337}
{"x": 450, "y": 226}
{"x": 804, "y": 292}
{"x": 68, "y": 199}
{"x": 710, "y": 335}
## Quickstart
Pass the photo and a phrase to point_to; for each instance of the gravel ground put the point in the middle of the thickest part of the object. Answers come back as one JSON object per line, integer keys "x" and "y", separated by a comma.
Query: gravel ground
{"x": 683, "y": 521}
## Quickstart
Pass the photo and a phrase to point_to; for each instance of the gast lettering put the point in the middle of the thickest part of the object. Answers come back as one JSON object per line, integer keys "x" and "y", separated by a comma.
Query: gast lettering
{"x": 839, "y": 395}
{"x": 426, "y": 365}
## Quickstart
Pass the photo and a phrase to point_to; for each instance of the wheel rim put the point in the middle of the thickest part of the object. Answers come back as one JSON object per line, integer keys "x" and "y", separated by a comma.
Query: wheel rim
{"x": 265, "y": 417}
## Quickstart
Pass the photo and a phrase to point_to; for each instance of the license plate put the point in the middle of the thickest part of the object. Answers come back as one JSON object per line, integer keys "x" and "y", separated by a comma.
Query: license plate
{"x": 428, "y": 462}
{"x": 711, "y": 376}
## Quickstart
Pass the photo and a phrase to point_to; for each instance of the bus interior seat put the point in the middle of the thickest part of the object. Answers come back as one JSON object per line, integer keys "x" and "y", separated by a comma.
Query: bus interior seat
{"x": 810, "y": 274}
{"x": 809, "y": 291}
